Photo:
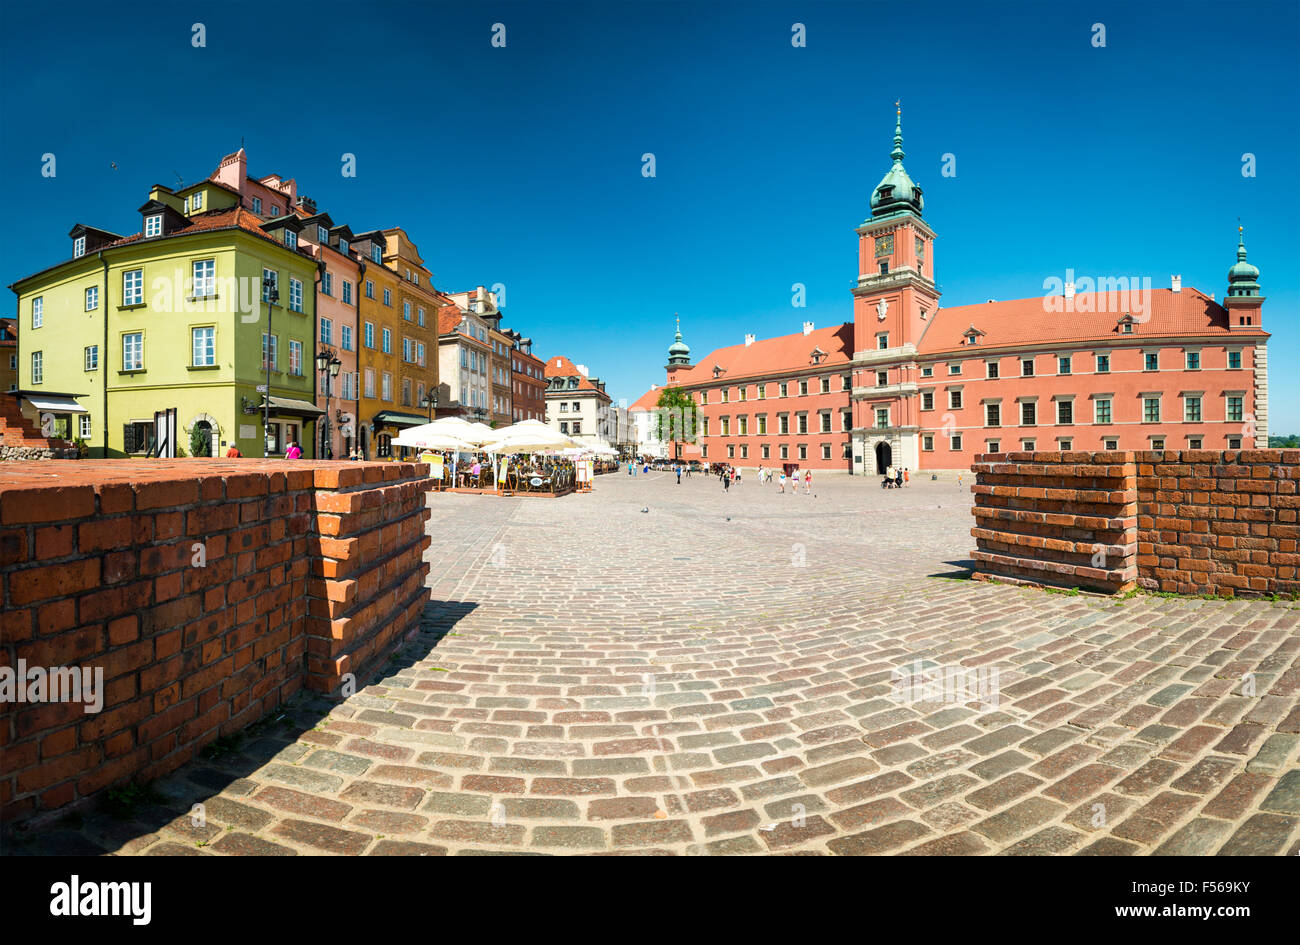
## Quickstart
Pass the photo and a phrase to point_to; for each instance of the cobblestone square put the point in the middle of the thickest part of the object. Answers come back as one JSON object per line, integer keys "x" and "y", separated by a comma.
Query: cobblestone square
{"x": 664, "y": 668}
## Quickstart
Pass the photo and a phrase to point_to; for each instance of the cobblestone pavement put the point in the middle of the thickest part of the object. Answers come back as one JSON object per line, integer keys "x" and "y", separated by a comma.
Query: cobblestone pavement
{"x": 655, "y": 668}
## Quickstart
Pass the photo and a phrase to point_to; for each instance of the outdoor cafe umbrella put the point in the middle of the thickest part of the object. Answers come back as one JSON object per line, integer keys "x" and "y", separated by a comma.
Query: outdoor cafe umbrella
{"x": 475, "y": 434}
{"x": 422, "y": 439}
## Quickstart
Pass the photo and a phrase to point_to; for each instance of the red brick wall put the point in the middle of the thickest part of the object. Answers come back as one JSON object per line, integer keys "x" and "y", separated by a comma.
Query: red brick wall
{"x": 1057, "y": 518}
{"x": 1200, "y": 521}
{"x": 208, "y": 591}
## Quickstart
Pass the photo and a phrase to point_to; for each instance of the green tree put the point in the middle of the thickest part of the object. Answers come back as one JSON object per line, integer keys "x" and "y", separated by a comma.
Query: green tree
{"x": 676, "y": 418}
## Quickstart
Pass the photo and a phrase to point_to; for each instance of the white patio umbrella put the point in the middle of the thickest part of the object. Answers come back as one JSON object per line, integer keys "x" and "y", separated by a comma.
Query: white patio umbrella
{"x": 529, "y": 441}
{"x": 421, "y": 439}
{"x": 474, "y": 433}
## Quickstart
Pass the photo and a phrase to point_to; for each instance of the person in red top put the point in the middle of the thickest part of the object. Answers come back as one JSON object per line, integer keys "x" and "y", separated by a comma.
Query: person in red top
{"x": 293, "y": 452}
{"x": 233, "y": 452}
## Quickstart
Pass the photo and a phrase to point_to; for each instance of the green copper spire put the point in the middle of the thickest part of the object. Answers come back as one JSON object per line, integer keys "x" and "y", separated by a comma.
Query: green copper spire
{"x": 897, "y": 154}
{"x": 1243, "y": 278}
{"x": 679, "y": 352}
{"x": 897, "y": 193}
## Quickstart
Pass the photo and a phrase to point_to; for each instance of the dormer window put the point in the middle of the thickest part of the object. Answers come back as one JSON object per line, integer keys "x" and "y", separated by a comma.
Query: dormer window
{"x": 78, "y": 247}
{"x": 290, "y": 239}
{"x": 886, "y": 192}
{"x": 275, "y": 211}
{"x": 376, "y": 253}
{"x": 343, "y": 246}
{"x": 196, "y": 200}
{"x": 1127, "y": 328}
{"x": 257, "y": 205}
{"x": 322, "y": 236}
{"x": 153, "y": 225}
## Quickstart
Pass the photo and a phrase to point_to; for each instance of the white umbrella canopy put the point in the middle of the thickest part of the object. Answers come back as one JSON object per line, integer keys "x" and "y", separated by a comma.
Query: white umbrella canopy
{"x": 470, "y": 434}
{"x": 422, "y": 439}
{"x": 532, "y": 440}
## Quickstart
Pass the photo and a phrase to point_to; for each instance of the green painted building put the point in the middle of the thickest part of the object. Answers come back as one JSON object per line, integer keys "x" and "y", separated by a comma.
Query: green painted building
{"x": 158, "y": 343}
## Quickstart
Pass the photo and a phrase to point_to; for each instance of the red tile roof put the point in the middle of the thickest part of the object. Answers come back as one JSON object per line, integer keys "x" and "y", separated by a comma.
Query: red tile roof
{"x": 212, "y": 220}
{"x": 560, "y": 366}
{"x": 647, "y": 401}
{"x": 449, "y": 317}
{"x": 1027, "y": 321}
{"x": 772, "y": 355}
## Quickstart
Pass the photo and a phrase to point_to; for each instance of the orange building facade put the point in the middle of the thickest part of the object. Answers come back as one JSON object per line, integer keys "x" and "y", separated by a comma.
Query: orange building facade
{"x": 1101, "y": 365}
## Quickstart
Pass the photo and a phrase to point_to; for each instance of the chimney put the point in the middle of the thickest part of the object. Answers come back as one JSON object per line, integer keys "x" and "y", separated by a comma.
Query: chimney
{"x": 308, "y": 205}
{"x": 749, "y": 339}
{"x": 1069, "y": 290}
{"x": 582, "y": 369}
{"x": 1177, "y": 283}
{"x": 807, "y": 328}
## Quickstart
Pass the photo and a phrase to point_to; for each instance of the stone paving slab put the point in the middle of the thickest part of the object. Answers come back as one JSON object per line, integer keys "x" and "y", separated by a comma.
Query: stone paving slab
{"x": 654, "y": 668}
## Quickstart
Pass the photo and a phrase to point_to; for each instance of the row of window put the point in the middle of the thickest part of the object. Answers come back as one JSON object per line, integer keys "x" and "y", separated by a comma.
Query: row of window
{"x": 1103, "y": 408}
{"x": 783, "y": 389}
{"x": 1101, "y": 364}
{"x": 765, "y": 451}
{"x": 1064, "y": 365}
{"x": 202, "y": 286}
{"x": 1065, "y": 443}
{"x": 782, "y": 424}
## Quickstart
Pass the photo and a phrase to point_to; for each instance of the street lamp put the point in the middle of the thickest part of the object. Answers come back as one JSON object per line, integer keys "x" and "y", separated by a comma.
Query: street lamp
{"x": 271, "y": 293}
{"x": 327, "y": 364}
{"x": 430, "y": 401}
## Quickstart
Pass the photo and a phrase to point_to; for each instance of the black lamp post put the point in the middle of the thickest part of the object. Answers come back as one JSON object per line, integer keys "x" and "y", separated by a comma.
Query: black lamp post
{"x": 272, "y": 294}
{"x": 327, "y": 365}
{"x": 431, "y": 402}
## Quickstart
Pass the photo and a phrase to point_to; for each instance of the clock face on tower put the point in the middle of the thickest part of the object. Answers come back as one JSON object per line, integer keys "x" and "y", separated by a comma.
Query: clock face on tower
{"x": 885, "y": 245}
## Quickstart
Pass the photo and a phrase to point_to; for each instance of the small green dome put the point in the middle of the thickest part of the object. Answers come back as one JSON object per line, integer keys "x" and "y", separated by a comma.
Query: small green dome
{"x": 1243, "y": 278}
{"x": 679, "y": 352}
{"x": 897, "y": 192}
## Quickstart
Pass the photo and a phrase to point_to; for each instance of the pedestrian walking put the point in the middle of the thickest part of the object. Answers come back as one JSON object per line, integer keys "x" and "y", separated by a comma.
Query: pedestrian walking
{"x": 726, "y": 482}
{"x": 678, "y": 469}
{"x": 807, "y": 482}
{"x": 907, "y": 476}
{"x": 294, "y": 451}
{"x": 782, "y": 480}
{"x": 898, "y": 477}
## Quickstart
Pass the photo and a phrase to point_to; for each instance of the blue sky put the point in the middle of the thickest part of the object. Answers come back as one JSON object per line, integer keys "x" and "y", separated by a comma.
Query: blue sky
{"x": 522, "y": 165}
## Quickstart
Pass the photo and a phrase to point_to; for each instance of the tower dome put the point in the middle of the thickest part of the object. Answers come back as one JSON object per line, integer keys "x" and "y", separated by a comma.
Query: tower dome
{"x": 1243, "y": 278}
{"x": 679, "y": 352}
{"x": 897, "y": 192}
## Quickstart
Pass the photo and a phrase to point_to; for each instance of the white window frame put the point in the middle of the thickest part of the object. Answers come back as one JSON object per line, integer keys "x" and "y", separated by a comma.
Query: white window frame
{"x": 138, "y": 350}
{"x": 133, "y": 288}
{"x": 78, "y": 247}
{"x": 90, "y": 358}
{"x": 204, "y": 278}
{"x": 210, "y": 352}
{"x": 153, "y": 225}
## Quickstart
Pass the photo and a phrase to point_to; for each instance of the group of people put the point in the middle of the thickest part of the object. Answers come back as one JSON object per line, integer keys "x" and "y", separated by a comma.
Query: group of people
{"x": 793, "y": 480}
{"x": 896, "y": 477}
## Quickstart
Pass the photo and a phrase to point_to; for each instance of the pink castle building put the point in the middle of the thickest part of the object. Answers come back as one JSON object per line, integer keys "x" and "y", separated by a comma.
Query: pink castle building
{"x": 911, "y": 383}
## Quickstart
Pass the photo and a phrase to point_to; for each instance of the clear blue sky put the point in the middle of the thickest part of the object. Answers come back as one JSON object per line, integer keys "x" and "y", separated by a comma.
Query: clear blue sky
{"x": 522, "y": 165}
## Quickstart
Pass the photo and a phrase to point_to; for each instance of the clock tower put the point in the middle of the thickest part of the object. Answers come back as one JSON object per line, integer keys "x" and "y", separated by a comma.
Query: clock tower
{"x": 893, "y": 301}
